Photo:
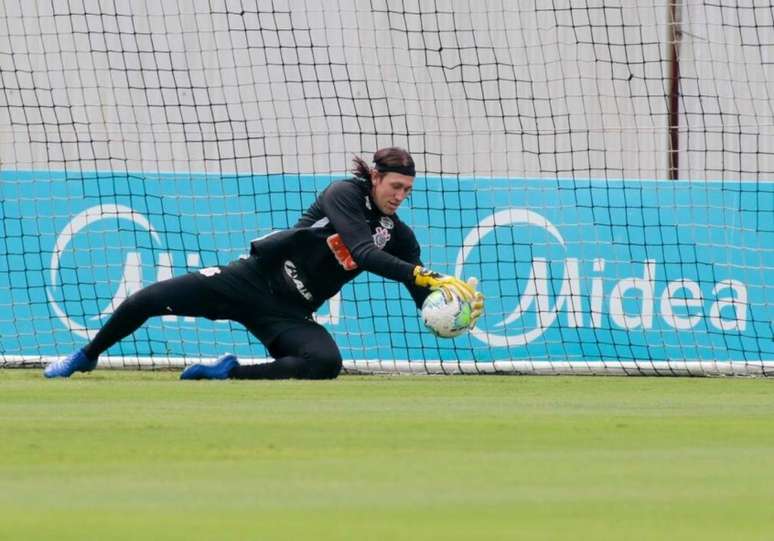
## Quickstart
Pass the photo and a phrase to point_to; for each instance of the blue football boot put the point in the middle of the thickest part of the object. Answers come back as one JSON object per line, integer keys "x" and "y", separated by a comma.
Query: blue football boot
{"x": 75, "y": 362}
{"x": 220, "y": 370}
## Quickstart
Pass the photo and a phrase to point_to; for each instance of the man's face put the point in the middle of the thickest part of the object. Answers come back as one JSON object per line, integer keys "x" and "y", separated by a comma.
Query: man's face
{"x": 389, "y": 190}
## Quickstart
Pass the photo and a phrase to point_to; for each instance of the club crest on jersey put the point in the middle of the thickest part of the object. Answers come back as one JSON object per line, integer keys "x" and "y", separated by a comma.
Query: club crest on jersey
{"x": 386, "y": 222}
{"x": 381, "y": 237}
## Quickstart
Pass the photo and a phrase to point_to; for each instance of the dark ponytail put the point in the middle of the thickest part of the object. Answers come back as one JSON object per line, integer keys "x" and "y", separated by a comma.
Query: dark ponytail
{"x": 360, "y": 168}
{"x": 386, "y": 160}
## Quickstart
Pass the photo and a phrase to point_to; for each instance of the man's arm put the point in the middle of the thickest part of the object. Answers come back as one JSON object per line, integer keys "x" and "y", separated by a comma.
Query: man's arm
{"x": 343, "y": 206}
{"x": 408, "y": 250}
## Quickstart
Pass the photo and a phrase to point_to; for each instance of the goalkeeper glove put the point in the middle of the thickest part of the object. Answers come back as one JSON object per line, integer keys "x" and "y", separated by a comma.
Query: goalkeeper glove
{"x": 426, "y": 278}
{"x": 477, "y": 304}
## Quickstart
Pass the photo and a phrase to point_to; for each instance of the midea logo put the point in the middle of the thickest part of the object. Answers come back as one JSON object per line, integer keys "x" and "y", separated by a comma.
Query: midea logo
{"x": 680, "y": 304}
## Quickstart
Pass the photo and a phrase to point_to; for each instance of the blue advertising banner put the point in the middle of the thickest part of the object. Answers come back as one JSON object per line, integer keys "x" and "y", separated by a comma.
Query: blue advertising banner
{"x": 582, "y": 270}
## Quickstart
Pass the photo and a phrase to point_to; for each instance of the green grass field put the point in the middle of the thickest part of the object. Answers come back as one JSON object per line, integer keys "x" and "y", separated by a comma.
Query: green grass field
{"x": 133, "y": 455}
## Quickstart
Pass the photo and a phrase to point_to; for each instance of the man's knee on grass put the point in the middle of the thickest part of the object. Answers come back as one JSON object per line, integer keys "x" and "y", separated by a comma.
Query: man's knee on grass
{"x": 314, "y": 365}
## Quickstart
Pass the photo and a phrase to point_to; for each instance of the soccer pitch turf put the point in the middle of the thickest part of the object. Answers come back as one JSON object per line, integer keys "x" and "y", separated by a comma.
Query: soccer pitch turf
{"x": 140, "y": 455}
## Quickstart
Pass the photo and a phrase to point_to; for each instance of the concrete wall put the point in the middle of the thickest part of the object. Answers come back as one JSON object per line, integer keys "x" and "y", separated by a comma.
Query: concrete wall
{"x": 517, "y": 89}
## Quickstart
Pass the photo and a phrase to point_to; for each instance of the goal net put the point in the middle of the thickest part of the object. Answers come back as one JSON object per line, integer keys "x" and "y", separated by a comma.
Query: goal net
{"x": 604, "y": 168}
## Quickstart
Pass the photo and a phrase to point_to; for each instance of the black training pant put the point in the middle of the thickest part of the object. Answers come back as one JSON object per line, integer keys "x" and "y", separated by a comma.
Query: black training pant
{"x": 301, "y": 347}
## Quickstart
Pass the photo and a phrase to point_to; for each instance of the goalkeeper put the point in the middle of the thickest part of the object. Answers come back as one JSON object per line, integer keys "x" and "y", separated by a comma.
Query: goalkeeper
{"x": 352, "y": 227}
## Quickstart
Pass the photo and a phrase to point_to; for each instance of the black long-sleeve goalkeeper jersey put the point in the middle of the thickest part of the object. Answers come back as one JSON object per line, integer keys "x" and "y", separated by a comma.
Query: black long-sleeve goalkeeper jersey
{"x": 342, "y": 234}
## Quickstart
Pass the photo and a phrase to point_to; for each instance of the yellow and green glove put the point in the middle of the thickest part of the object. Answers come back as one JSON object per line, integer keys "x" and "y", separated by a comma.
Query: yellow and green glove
{"x": 449, "y": 284}
{"x": 477, "y": 304}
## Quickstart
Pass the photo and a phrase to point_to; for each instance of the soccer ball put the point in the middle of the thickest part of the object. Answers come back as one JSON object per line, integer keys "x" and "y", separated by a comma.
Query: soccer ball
{"x": 445, "y": 314}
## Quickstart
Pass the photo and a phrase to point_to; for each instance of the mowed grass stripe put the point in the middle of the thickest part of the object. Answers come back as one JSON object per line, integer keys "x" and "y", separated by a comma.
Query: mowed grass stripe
{"x": 130, "y": 455}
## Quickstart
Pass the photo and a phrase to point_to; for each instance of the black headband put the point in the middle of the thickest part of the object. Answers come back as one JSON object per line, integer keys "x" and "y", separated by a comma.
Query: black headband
{"x": 407, "y": 170}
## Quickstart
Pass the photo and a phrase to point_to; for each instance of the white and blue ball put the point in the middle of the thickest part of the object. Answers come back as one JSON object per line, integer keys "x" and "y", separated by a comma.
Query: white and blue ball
{"x": 446, "y": 315}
